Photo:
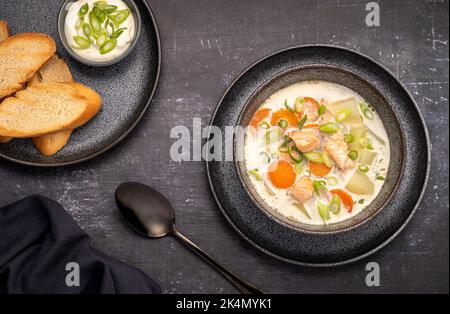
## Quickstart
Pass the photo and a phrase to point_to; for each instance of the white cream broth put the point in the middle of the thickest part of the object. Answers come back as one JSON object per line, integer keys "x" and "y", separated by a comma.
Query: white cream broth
{"x": 92, "y": 53}
{"x": 282, "y": 201}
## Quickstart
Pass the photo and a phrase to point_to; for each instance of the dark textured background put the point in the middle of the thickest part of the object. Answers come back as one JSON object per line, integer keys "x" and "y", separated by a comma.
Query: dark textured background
{"x": 205, "y": 44}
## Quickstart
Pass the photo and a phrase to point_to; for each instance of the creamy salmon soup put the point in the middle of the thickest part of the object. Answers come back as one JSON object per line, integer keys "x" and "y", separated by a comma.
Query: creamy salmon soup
{"x": 316, "y": 152}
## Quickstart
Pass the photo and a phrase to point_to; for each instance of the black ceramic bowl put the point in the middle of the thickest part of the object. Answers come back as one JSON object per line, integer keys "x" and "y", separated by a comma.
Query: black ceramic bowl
{"x": 359, "y": 85}
{"x": 345, "y": 241}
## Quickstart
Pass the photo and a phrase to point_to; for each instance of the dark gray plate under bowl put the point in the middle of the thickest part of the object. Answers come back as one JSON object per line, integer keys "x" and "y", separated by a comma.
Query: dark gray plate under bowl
{"x": 126, "y": 87}
{"x": 368, "y": 231}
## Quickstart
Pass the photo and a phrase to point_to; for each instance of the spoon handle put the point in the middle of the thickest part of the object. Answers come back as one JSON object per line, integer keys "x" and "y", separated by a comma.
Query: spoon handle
{"x": 243, "y": 286}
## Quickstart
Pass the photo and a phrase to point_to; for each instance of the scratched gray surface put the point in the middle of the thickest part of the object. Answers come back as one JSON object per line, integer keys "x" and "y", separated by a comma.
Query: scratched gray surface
{"x": 205, "y": 45}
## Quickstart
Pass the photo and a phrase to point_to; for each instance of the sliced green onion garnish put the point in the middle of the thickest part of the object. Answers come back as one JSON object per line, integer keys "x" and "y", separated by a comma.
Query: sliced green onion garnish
{"x": 363, "y": 168}
{"x": 87, "y": 30}
{"x": 324, "y": 211}
{"x": 109, "y": 8}
{"x": 302, "y": 121}
{"x": 264, "y": 125}
{"x": 314, "y": 156}
{"x": 289, "y": 108}
{"x": 83, "y": 10}
{"x": 381, "y": 178}
{"x": 255, "y": 173}
{"x": 302, "y": 208}
{"x": 118, "y": 32}
{"x": 369, "y": 146}
{"x": 264, "y": 157}
{"x": 99, "y": 13}
{"x": 331, "y": 180}
{"x": 283, "y": 123}
{"x": 121, "y": 16}
{"x": 367, "y": 112}
{"x": 108, "y": 46}
{"x": 353, "y": 155}
{"x": 95, "y": 22}
{"x": 343, "y": 115}
{"x": 322, "y": 109}
{"x": 101, "y": 39}
{"x": 298, "y": 105}
{"x": 349, "y": 138}
{"x": 327, "y": 160}
{"x": 82, "y": 42}
{"x": 295, "y": 154}
{"x": 335, "y": 204}
{"x": 101, "y": 4}
{"x": 319, "y": 186}
{"x": 286, "y": 141}
{"x": 329, "y": 127}
{"x": 299, "y": 168}
{"x": 361, "y": 201}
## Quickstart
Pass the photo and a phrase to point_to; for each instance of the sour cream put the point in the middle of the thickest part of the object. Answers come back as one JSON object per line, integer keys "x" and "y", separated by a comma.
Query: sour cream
{"x": 92, "y": 53}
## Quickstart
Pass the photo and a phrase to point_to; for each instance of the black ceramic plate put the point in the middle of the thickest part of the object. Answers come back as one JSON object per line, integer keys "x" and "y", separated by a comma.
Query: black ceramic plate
{"x": 391, "y": 210}
{"x": 126, "y": 87}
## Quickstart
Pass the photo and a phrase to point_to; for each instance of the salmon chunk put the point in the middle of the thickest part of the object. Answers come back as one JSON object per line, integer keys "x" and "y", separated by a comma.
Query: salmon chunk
{"x": 337, "y": 150}
{"x": 305, "y": 140}
{"x": 302, "y": 190}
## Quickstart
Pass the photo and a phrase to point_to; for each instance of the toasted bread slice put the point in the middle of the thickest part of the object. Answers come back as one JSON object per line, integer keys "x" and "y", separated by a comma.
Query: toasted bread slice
{"x": 4, "y": 30}
{"x": 47, "y": 108}
{"x": 20, "y": 57}
{"x": 54, "y": 70}
{"x": 4, "y": 34}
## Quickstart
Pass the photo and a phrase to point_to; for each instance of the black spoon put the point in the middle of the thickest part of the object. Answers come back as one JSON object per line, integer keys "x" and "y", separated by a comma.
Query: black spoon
{"x": 150, "y": 213}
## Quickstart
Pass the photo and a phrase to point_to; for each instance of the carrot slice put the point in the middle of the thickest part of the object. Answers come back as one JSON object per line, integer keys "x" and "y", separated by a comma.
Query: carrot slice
{"x": 345, "y": 198}
{"x": 290, "y": 117}
{"x": 319, "y": 169}
{"x": 311, "y": 126}
{"x": 259, "y": 115}
{"x": 281, "y": 174}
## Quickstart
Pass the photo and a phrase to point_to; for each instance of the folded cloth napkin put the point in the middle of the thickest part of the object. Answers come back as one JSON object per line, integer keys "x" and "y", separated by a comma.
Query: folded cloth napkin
{"x": 43, "y": 250}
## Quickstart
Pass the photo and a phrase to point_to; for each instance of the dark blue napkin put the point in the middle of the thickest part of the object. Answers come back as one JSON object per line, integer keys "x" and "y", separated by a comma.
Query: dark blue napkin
{"x": 42, "y": 248}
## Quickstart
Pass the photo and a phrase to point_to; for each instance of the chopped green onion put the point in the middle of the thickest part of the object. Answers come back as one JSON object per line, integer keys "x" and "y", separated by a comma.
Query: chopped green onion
{"x": 369, "y": 146}
{"x": 286, "y": 141}
{"x": 298, "y": 105}
{"x": 283, "y": 149}
{"x": 314, "y": 156}
{"x": 273, "y": 135}
{"x": 302, "y": 208}
{"x": 82, "y": 42}
{"x": 95, "y": 22}
{"x": 353, "y": 155}
{"x": 319, "y": 186}
{"x": 329, "y": 127}
{"x": 101, "y": 3}
{"x": 83, "y": 10}
{"x": 295, "y": 154}
{"x": 264, "y": 125}
{"x": 349, "y": 138}
{"x": 381, "y": 178}
{"x": 324, "y": 211}
{"x": 331, "y": 180}
{"x": 265, "y": 157}
{"x": 255, "y": 173}
{"x": 363, "y": 168}
{"x": 121, "y": 16}
{"x": 109, "y": 8}
{"x": 289, "y": 108}
{"x": 361, "y": 201}
{"x": 108, "y": 46}
{"x": 343, "y": 115}
{"x": 87, "y": 30}
{"x": 366, "y": 111}
{"x": 302, "y": 121}
{"x": 299, "y": 168}
{"x": 99, "y": 13}
{"x": 101, "y": 39}
{"x": 118, "y": 32}
{"x": 335, "y": 204}
{"x": 283, "y": 123}
{"x": 327, "y": 160}
{"x": 322, "y": 109}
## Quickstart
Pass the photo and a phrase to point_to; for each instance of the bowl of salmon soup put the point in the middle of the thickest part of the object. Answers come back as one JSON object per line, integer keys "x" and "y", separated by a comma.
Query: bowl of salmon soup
{"x": 323, "y": 150}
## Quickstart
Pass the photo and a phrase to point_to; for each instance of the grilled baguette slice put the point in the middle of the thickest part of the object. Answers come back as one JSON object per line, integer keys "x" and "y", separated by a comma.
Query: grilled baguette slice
{"x": 4, "y": 33}
{"x": 47, "y": 108}
{"x": 20, "y": 57}
{"x": 54, "y": 70}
